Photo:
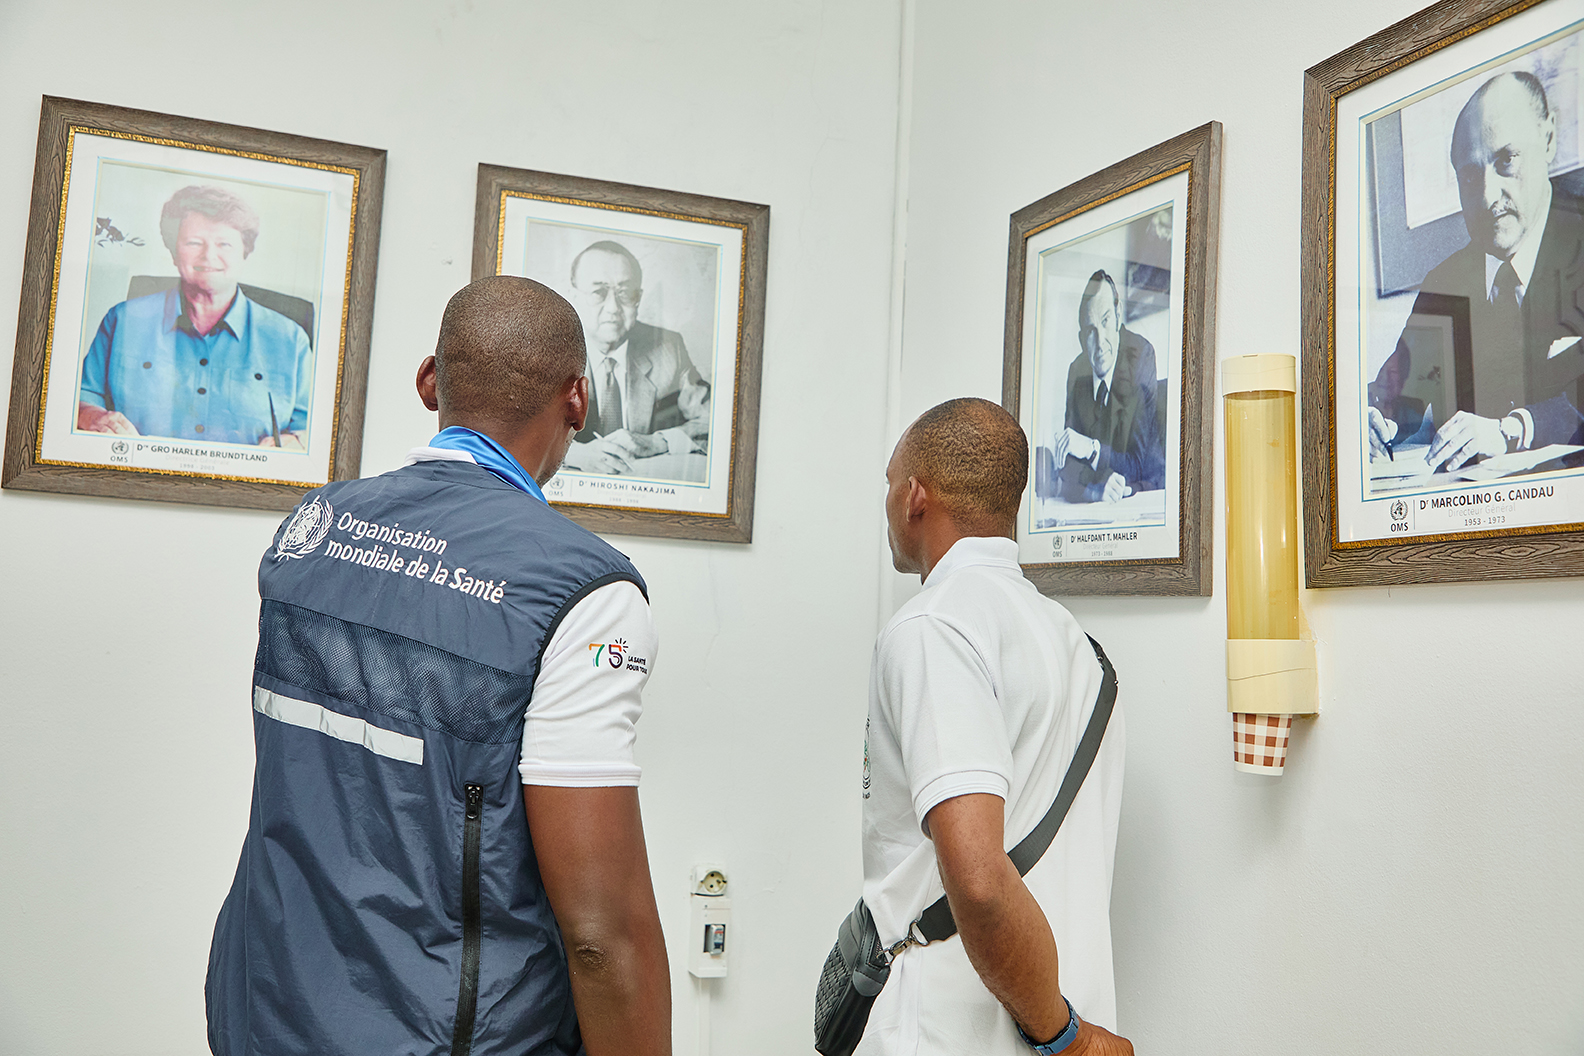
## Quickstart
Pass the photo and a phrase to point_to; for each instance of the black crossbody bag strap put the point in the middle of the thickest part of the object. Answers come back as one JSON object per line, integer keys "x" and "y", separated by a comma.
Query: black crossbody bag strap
{"x": 936, "y": 922}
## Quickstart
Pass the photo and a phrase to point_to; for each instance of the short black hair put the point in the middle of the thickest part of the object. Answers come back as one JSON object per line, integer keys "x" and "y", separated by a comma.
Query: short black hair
{"x": 506, "y": 346}
{"x": 973, "y": 456}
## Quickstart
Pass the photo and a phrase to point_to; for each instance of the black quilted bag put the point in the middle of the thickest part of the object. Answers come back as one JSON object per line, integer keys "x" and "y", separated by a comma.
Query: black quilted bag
{"x": 854, "y": 973}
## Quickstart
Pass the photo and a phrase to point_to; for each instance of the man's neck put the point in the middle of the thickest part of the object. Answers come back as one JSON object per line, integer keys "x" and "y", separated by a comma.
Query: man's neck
{"x": 938, "y": 543}
{"x": 531, "y": 443}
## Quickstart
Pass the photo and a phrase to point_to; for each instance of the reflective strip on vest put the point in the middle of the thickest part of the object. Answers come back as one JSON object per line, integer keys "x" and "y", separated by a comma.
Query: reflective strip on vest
{"x": 349, "y": 728}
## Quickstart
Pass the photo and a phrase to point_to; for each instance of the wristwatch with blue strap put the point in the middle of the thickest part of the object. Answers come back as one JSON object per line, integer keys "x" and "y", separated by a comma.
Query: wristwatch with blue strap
{"x": 1060, "y": 1041}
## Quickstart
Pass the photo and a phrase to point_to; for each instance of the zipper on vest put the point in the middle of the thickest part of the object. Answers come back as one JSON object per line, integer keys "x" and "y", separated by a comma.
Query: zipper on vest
{"x": 472, "y": 925}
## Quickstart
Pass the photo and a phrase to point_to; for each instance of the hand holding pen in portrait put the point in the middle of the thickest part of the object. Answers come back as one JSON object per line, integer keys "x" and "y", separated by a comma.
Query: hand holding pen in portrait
{"x": 1381, "y": 431}
{"x": 1464, "y": 439}
{"x": 91, "y": 419}
{"x": 292, "y": 441}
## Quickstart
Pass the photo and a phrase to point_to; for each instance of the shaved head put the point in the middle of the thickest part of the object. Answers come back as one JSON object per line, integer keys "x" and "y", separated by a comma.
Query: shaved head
{"x": 507, "y": 346}
{"x": 973, "y": 457}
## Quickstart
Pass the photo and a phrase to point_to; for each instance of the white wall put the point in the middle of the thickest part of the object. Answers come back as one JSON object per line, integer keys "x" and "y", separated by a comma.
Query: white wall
{"x": 127, "y": 629}
{"x": 1411, "y": 885}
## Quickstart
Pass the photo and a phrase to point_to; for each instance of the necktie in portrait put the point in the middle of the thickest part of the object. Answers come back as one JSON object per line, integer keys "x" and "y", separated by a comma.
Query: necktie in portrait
{"x": 609, "y": 396}
{"x": 1504, "y": 379}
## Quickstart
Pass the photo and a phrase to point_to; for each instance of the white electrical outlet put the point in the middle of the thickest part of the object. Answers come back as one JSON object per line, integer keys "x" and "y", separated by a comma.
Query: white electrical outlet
{"x": 709, "y": 933}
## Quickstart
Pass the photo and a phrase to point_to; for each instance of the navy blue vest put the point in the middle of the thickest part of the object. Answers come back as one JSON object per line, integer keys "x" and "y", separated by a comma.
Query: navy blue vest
{"x": 387, "y": 900}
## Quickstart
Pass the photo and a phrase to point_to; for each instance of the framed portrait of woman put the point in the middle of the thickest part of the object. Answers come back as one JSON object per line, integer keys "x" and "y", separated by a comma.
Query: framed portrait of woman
{"x": 195, "y": 310}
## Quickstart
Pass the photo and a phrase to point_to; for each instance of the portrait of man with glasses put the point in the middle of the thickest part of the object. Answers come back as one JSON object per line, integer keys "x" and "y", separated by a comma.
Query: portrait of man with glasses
{"x": 646, "y": 397}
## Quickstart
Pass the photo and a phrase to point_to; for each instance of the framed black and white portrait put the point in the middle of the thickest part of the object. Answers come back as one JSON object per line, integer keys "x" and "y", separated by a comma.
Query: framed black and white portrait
{"x": 1108, "y": 353}
{"x": 670, "y": 290}
{"x": 195, "y": 310}
{"x": 1444, "y": 299}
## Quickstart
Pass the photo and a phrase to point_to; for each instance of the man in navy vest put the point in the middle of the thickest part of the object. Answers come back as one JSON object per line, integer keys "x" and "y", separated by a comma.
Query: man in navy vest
{"x": 446, "y": 665}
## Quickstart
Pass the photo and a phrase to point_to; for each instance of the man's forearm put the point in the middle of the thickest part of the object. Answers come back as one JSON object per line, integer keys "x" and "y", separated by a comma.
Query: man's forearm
{"x": 1010, "y": 945}
{"x": 590, "y": 846}
{"x": 1003, "y": 929}
{"x": 621, "y": 987}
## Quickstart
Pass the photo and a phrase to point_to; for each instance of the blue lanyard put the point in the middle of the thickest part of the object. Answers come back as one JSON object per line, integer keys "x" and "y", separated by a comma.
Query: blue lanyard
{"x": 488, "y": 454}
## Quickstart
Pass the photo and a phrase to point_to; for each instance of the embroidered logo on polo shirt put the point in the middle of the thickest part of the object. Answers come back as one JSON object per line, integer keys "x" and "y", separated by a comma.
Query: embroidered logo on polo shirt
{"x": 866, "y": 760}
{"x": 306, "y": 530}
{"x": 616, "y": 655}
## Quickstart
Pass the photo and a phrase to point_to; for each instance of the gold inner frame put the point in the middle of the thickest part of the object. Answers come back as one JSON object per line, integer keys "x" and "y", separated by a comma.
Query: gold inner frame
{"x": 1331, "y": 294}
{"x": 72, "y": 132}
{"x": 1182, "y": 436}
{"x": 742, "y": 302}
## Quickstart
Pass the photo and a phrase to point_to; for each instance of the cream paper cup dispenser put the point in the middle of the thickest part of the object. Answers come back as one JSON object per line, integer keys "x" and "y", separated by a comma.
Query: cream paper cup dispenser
{"x": 1270, "y": 667}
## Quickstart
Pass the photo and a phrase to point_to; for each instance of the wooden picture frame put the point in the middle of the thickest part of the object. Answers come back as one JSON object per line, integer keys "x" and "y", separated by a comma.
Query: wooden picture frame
{"x": 307, "y": 215}
{"x": 690, "y": 330}
{"x": 1395, "y": 311}
{"x": 1154, "y": 220}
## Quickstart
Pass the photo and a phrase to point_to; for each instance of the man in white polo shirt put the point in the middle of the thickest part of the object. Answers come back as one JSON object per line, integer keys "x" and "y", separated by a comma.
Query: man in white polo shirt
{"x": 979, "y": 693}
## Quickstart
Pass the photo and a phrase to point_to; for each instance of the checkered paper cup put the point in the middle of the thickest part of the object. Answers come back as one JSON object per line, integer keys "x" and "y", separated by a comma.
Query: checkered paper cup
{"x": 1259, "y": 742}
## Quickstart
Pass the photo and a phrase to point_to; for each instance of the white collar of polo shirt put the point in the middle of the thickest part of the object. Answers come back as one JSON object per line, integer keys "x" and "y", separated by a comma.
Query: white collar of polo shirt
{"x": 992, "y": 550}
{"x": 437, "y": 454}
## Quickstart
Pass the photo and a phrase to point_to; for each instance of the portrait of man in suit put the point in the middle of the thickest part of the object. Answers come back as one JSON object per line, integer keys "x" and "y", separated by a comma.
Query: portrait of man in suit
{"x": 646, "y": 396}
{"x": 1111, "y": 445}
{"x": 1522, "y": 278}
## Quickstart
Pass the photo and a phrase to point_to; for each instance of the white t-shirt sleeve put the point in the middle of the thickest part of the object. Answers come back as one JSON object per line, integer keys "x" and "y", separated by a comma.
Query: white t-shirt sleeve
{"x": 581, "y": 721}
{"x": 940, "y": 700}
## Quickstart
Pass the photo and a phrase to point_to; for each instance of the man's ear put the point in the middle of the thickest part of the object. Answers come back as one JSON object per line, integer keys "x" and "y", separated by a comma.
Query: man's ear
{"x": 918, "y": 498}
{"x": 426, "y": 384}
{"x": 577, "y": 403}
